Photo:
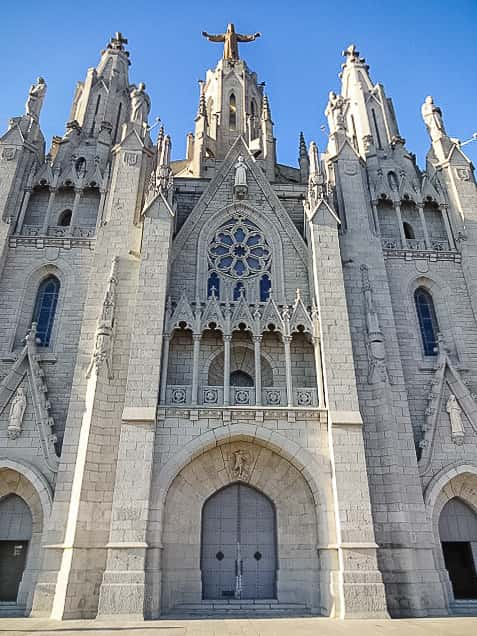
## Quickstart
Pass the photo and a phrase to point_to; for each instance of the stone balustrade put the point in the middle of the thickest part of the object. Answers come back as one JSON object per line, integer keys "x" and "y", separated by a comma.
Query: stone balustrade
{"x": 181, "y": 395}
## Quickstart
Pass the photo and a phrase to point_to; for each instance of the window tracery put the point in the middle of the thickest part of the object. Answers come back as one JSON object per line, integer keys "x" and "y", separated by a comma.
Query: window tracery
{"x": 240, "y": 255}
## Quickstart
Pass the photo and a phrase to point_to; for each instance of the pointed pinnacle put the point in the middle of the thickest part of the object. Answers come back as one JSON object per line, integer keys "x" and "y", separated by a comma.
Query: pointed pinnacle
{"x": 303, "y": 152}
{"x": 266, "y": 114}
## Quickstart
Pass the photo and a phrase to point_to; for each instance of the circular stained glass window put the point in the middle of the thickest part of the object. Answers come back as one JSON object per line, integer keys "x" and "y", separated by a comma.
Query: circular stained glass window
{"x": 239, "y": 249}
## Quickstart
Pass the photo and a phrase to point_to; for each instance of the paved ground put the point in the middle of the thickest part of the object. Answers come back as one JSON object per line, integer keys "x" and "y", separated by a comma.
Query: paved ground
{"x": 243, "y": 627}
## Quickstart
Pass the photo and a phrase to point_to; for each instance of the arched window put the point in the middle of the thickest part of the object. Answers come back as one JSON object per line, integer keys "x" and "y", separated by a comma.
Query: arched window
{"x": 232, "y": 112}
{"x": 393, "y": 181}
{"x": 427, "y": 320}
{"x": 239, "y": 289}
{"x": 65, "y": 218}
{"x": 45, "y": 308}
{"x": 213, "y": 284}
{"x": 265, "y": 287}
{"x": 408, "y": 230}
{"x": 240, "y": 378}
{"x": 80, "y": 166}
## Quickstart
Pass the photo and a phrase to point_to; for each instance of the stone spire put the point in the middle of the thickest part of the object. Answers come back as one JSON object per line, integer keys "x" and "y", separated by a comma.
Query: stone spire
{"x": 303, "y": 160}
{"x": 266, "y": 113}
{"x": 316, "y": 181}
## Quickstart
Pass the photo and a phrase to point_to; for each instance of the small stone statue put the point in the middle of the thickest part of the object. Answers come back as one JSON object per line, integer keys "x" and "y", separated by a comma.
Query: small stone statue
{"x": 17, "y": 411}
{"x": 455, "y": 416}
{"x": 36, "y": 95}
{"x": 140, "y": 104}
{"x": 432, "y": 116}
{"x": 240, "y": 172}
{"x": 240, "y": 461}
{"x": 334, "y": 111}
{"x": 230, "y": 39}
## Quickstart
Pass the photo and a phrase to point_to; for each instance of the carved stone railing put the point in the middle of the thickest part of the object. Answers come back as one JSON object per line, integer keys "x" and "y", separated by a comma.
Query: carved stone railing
{"x": 440, "y": 244}
{"x": 390, "y": 243}
{"x": 181, "y": 395}
{"x": 416, "y": 244}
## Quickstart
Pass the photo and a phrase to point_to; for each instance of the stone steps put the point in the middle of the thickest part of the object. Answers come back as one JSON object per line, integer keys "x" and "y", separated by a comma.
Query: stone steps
{"x": 464, "y": 607}
{"x": 11, "y": 610}
{"x": 238, "y": 607}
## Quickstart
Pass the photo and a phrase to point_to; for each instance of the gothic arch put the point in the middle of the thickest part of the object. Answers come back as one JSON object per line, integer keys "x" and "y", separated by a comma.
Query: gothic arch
{"x": 217, "y": 356}
{"x": 273, "y": 238}
{"x": 64, "y": 273}
{"x": 455, "y": 481}
{"x": 286, "y": 473}
{"x": 440, "y": 293}
{"x": 25, "y": 481}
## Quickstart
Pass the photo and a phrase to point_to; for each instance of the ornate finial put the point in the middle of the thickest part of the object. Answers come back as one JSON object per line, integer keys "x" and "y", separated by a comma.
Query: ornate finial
{"x": 303, "y": 152}
{"x": 230, "y": 39}
{"x": 298, "y": 295}
{"x": 117, "y": 42}
{"x": 202, "y": 111}
{"x": 266, "y": 114}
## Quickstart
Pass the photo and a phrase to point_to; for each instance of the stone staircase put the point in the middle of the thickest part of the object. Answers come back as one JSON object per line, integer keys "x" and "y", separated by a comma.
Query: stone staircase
{"x": 238, "y": 608}
{"x": 464, "y": 608}
{"x": 11, "y": 610}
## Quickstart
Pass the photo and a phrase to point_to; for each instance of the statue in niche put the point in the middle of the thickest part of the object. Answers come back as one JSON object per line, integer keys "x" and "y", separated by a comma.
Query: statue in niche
{"x": 231, "y": 39}
{"x": 375, "y": 341}
{"x": 36, "y": 95}
{"x": 432, "y": 116}
{"x": 17, "y": 411}
{"x": 455, "y": 416}
{"x": 140, "y": 104}
{"x": 240, "y": 181}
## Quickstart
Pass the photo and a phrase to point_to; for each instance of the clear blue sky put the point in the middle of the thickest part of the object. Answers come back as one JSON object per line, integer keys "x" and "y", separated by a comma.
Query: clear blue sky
{"x": 414, "y": 48}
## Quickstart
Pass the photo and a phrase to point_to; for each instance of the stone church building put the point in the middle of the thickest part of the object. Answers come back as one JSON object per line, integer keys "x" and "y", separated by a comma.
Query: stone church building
{"x": 229, "y": 385}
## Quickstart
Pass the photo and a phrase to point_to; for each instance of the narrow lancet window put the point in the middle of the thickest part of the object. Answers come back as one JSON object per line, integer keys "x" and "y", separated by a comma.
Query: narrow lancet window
{"x": 427, "y": 320}
{"x": 45, "y": 308}
{"x": 232, "y": 112}
{"x": 265, "y": 287}
{"x": 213, "y": 286}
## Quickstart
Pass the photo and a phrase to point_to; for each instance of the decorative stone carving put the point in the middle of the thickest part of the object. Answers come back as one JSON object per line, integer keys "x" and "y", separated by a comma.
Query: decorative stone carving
{"x": 375, "y": 340}
{"x": 240, "y": 180}
{"x": 140, "y": 104}
{"x": 179, "y": 396}
{"x": 463, "y": 174}
{"x": 36, "y": 95}
{"x": 455, "y": 416}
{"x": 17, "y": 412}
{"x": 273, "y": 397}
{"x": 8, "y": 153}
{"x": 211, "y": 396}
{"x": 432, "y": 116}
{"x": 131, "y": 159}
{"x": 240, "y": 463}
{"x": 242, "y": 396}
{"x": 304, "y": 397}
{"x": 104, "y": 336}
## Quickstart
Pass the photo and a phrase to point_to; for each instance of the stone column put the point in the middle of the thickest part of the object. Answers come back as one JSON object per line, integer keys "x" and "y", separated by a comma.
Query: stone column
{"x": 397, "y": 207}
{"x": 288, "y": 369}
{"x": 74, "y": 211}
{"x": 165, "y": 363}
{"x": 195, "y": 367}
{"x": 227, "y": 341}
{"x": 319, "y": 373}
{"x": 23, "y": 209}
{"x": 427, "y": 242}
{"x": 46, "y": 220}
{"x": 445, "y": 218}
{"x": 258, "y": 369}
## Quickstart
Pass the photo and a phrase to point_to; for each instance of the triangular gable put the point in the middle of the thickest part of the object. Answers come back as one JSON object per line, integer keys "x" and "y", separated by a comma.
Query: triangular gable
{"x": 428, "y": 189}
{"x": 445, "y": 373}
{"x": 192, "y": 222}
{"x": 28, "y": 363}
{"x": 213, "y": 313}
{"x": 323, "y": 212}
{"x": 182, "y": 313}
{"x": 14, "y": 136}
{"x": 271, "y": 315}
{"x": 242, "y": 314}
{"x": 300, "y": 316}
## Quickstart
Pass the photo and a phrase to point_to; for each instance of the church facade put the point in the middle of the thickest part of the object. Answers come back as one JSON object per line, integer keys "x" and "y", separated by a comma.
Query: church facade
{"x": 230, "y": 385}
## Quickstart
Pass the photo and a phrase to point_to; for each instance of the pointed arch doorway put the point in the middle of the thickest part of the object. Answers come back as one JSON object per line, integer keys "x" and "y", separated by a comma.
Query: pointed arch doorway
{"x": 239, "y": 546}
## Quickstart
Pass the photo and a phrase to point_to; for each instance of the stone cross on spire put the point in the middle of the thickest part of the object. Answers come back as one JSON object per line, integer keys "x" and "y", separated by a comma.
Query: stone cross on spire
{"x": 117, "y": 42}
{"x": 230, "y": 39}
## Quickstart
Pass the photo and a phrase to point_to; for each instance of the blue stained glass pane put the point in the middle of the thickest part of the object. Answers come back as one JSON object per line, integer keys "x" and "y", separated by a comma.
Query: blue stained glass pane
{"x": 239, "y": 268}
{"x": 239, "y": 235}
{"x": 213, "y": 283}
{"x": 253, "y": 263}
{"x": 225, "y": 262}
{"x": 225, "y": 238}
{"x": 427, "y": 321}
{"x": 237, "y": 290}
{"x": 257, "y": 251}
{"x": 265, "y": 286}
{"x": 45, "y": 308}
{"x": 219, "y": 250}
{"x": 253, "y": 240}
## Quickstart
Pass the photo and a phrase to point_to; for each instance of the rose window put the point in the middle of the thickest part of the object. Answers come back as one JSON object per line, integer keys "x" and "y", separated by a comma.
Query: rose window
{"x": 239, "y": 249}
